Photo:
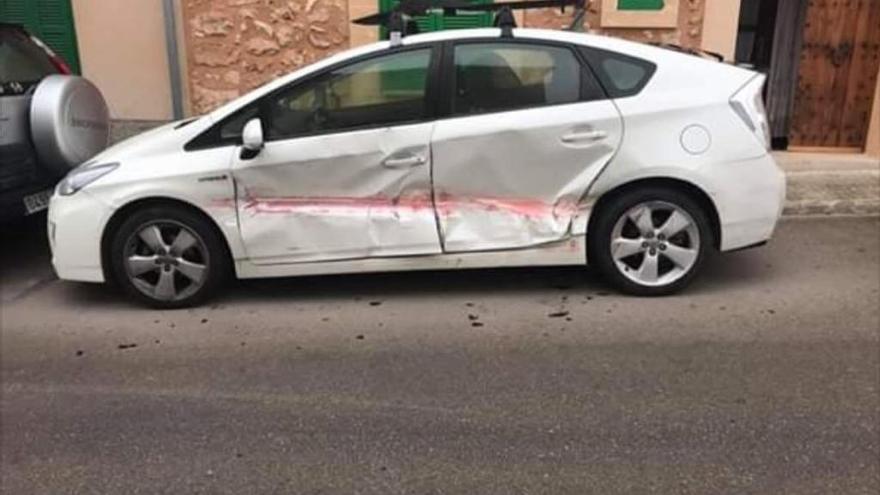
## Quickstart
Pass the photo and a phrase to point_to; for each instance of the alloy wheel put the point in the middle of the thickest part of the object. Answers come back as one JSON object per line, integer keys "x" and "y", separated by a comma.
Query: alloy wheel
{"x": 655, "y": 243}
{"x": 166, "y": 261}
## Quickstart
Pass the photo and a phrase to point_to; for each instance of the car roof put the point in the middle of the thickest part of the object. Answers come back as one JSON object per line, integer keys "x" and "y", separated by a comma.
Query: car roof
{"x": 598, "y": 41}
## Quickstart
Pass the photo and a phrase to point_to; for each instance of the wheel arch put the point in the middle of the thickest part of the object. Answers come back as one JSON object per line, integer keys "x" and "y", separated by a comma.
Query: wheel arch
{"x": 692, "y": 190}
{"x": 119, "y": 216}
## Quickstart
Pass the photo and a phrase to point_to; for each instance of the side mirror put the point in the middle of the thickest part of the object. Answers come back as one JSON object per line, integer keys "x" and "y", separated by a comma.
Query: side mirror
{"x": 251, "y": 139}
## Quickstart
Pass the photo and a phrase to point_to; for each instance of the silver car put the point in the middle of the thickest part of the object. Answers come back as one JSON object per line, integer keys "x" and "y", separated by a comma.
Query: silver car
{"x": 50, "y": 121}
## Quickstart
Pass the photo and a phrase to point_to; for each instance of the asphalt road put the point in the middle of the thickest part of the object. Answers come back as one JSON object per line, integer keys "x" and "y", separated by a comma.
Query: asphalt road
{"x": 762, "y": 378}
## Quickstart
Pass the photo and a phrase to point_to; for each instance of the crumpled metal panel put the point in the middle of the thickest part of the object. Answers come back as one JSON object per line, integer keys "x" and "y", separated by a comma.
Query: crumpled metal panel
{"x": 332, "y": 197}
{"x": 518, "y": 179}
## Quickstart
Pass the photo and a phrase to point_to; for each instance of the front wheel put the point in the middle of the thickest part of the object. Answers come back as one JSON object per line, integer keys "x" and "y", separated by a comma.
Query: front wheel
{"x": 650, "y": 241}
{"x": 168, "y": 257}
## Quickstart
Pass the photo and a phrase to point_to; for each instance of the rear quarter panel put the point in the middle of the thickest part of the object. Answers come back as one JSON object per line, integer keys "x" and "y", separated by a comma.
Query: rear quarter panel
{"x": 685, "y": 91}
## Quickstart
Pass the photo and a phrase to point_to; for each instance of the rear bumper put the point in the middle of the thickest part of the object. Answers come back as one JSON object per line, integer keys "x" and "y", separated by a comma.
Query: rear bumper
{"x": 749, "y": 196}
{"x": 75, "y": 225}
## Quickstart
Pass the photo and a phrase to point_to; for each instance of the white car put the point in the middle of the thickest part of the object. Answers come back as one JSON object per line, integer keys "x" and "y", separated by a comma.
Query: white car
{"x": 457, "y": 149}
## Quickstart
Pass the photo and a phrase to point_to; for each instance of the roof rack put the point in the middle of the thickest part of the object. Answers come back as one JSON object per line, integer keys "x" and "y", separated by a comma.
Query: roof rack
{"x": 506, "y": 21}
{"x": 400, "y": 20}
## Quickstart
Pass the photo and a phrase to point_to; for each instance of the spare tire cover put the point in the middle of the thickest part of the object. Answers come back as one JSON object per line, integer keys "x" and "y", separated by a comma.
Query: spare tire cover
{"x": 69, "y": 121}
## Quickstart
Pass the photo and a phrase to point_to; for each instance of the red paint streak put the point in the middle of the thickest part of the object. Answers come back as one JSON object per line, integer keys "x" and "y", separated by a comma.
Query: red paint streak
{"x": 418, "y": 202}
{"x": 527, "y": 207}
{"x": 222, "y": 203}
{"x": 340, "y": 205}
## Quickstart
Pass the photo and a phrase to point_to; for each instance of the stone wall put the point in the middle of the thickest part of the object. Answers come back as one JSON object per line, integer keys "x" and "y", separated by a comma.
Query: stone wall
{"x": 688, "y": 33}
{"x": 233, "y": 46}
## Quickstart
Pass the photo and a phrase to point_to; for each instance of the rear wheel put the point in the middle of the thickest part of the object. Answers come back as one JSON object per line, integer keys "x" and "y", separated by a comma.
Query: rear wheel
{"x": 650, "y": 241}
{"x": 168, "y": 257}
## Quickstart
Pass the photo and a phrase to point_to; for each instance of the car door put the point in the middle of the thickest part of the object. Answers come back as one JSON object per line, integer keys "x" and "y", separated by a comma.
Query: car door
{"x": 528, "y": 132}
{"x": 346, "y": 169}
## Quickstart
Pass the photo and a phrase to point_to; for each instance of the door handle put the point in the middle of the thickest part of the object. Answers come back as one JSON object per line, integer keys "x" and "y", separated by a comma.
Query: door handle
{"x": 584, "y": 136}
{"x": 403, "y": 162}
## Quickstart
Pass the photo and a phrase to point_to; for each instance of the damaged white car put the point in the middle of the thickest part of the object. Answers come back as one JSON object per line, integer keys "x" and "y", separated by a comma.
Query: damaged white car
{"x": 458, "y": 149}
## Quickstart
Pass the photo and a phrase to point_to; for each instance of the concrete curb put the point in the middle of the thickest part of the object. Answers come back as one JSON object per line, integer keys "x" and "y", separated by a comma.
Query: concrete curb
{"x": 819, "y": 184}
{"x": 830, "y": 184}
{"x": 831, "y": 208}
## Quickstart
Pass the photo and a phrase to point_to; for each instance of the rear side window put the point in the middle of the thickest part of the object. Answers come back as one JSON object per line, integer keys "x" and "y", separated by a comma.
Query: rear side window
{"x": 22, "y": 61}
{"x": 494, "y": 77}
{"x": 621, "y": 75}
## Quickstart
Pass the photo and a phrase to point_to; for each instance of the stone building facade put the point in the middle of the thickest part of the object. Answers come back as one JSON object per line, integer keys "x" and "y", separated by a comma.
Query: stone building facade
{"x": 681, "y": 22}
{"x": 233, "y": 46}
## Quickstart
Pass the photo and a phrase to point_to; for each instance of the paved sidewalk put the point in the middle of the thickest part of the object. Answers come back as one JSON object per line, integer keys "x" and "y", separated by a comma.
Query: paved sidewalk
{"x": 818, "y": 183}
{"x": 831, "y": 184}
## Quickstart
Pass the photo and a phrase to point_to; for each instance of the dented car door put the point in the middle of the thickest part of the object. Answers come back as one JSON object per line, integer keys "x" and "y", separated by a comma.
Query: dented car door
{"x": 346, "y": 169}
{"x": 530, "y": 129}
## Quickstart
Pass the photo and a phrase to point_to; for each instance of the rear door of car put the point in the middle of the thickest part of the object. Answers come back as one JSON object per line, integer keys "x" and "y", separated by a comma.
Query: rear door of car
{"x": 528, "y": 130}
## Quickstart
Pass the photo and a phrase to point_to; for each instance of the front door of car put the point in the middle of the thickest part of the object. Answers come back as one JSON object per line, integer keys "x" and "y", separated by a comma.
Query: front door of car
{"x": 345, "y": 172}
{"x": 530, "y": 129}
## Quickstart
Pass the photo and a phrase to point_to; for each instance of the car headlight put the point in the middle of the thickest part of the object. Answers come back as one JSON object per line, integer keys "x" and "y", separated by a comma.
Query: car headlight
{"x": 80, "y": 177}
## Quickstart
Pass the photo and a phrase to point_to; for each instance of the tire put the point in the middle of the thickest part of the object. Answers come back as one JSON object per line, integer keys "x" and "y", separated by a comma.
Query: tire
{"x": 168, "y": 257}
{"x": 650, "y": 241}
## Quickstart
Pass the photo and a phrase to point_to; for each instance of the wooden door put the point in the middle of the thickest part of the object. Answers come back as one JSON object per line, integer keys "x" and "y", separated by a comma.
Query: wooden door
{"x": 840, "y": 57}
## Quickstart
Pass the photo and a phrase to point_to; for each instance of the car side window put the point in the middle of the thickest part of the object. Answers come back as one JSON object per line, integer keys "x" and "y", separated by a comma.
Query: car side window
{"x": 231, "y": 129}
{"x": 493, "y": 77}
{"x": 621, "y": 75}
{"x": 385, "y": 90}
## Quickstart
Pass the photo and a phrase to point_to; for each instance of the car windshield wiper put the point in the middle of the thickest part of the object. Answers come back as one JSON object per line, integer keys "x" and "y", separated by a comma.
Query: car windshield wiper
{"x": 185, "y": 122}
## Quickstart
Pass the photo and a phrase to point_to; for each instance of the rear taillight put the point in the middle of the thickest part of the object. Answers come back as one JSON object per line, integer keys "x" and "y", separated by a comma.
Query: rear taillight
{"x": 748, "y": 104}
{"x": 57, "y": 61}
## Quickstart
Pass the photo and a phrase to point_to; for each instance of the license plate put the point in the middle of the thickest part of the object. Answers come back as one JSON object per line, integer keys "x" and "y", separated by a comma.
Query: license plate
{"x": 37, "y": 202}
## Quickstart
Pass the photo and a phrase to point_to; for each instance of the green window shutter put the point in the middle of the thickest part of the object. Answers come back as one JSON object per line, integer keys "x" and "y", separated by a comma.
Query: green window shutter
{"x": 49, "y": 20}
{"x": 13, "y": 11}
{"x": 640, "y": 4}
{"x": 426, "y": 23}
{"x": 465, "y": 20}
{"x": 439, "y": 22}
